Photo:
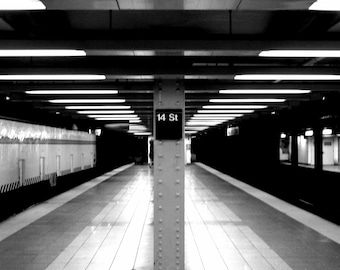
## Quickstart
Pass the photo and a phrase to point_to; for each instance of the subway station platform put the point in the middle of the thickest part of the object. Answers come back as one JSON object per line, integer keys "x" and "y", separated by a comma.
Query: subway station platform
{"x": 107, "y": 223}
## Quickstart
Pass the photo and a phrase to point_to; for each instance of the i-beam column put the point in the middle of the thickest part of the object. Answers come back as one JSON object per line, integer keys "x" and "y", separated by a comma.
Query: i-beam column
{"x": 169, "y": 105}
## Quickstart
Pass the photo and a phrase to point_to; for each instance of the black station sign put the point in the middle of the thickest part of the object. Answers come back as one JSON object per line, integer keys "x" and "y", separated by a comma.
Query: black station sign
{"x": 169, "y": 124}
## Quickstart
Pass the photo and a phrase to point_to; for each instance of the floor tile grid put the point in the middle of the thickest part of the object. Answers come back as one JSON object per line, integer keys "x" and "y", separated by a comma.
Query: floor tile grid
{"x": 128, "y": 251}
{"x": 249, "y": 241}
{"x": 144, "y": 260}
{"x": 197, "y": 202}
{"x": 16, "y": 223}
{"x": 253, "y": 249}
{"x": 124, "y": 219}
{"x": 74, "y": 249}
{"x": 207, "y": 249}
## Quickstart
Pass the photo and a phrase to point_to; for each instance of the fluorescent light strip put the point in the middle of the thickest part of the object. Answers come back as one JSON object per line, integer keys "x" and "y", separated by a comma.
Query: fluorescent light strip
{"x": 211, "y": 123}
{"x": 135, "y": 121}
{"x": 195, "y": 128}
{"x": 290, "y": 77}
{"x": 224, "y": 111}
{"x": 211, "y": 118}
{"x": 22, "y": 5}
{"x": 218, "y": 115}
{"x": 142, "y": 133}
{"x": 265, "y": 91}
{"x": 206, "y": 120}
{"x": 130, "y": 116}
{"x": 107, "y": 112}
{"x": 87, "y": 100}
{"x": 234, "y": 107}
{"x": 300, "y": 53}
{"x": 190, "y": 132}
{"x": 325, "y": 5}
{"x": 135, "y": 128}
{"x": 244, "y": 100}
{"x": 71, "y": 92}
{"x": 126, "y": 119}
{"x": 98, "y": 107}
{"x": 62, "y": 77}
{"x": 41, "y": 53}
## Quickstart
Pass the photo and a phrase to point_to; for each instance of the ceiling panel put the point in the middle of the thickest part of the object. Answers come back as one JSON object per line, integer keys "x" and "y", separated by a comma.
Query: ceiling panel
{"x": 275, "y": 4}
{"x": 80, "y": 4}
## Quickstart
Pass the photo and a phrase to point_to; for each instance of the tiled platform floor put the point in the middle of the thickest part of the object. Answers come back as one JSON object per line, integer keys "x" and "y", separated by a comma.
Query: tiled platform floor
{"x": 108, "y": 224}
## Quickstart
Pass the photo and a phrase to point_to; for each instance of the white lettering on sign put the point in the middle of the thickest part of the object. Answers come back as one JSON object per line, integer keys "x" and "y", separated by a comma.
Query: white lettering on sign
{"x": 162, "y": 117}
{"x": 173, "y": 117}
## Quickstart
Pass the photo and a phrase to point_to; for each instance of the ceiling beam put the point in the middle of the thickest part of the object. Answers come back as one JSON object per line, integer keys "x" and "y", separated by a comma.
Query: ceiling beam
{"x": 252, "y": 44}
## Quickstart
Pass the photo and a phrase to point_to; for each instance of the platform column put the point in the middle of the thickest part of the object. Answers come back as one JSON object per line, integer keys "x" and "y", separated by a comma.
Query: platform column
{"x": 318, "y": 152}
{"x": 294, "y": 154}
{"x": 169, "y": 104}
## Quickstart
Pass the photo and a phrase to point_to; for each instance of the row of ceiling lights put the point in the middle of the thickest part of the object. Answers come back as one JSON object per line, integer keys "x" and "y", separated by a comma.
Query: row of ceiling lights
{"x": 213, "y": 115}
{"x": 202, "y": 116}
{"x": 325, "y": 5}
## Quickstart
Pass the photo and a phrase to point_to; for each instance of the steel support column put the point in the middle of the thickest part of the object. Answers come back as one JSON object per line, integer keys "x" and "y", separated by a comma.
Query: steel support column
{"x": 169, "y": 184}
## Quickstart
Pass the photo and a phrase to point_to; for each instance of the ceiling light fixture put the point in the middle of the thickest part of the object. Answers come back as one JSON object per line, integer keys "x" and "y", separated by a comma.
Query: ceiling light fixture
{"x": 300, "y": 53}
{"x": 212, "y": 118}
{"x": 61, "y": 77}
{"x": 288, "y": 77}
{"x": 122, "y": 116}
{"x": 224, "y": 111}
{"x": 41, "y": 53}
{"x": 325, "y": 5}
{"x": 22, "y": 5}
{"x": 204, "y": 123}
{"x": 234, "y": 107}
{"x": 98, "y": 107}
{"x": 71, "y": 92}
{"x": 265, "y": 91}
{"x": 107, "y": 112}
{"x": 218, "y": 115}
{"x": 195, "y": 128}
{"x": 206, "y": 120}
{"x": 142, "y": 133}
{"x": 87, "y": 100}
{"x": 253, "y": 100}
{"x": 126, "y": 119}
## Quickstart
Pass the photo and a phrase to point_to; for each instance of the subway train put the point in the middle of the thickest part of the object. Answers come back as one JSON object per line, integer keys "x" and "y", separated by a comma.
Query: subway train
{"x": 31, "y": 154}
